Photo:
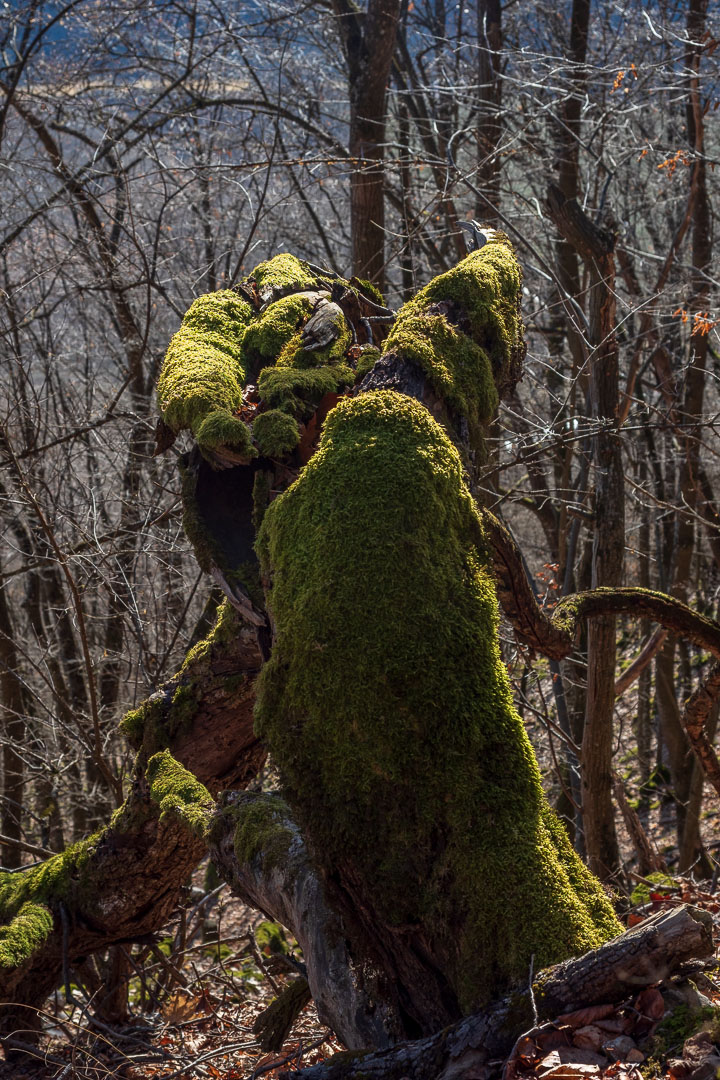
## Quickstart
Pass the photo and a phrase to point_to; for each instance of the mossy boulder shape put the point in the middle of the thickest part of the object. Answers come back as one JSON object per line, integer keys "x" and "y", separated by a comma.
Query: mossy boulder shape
{"x": 388, "y": 709}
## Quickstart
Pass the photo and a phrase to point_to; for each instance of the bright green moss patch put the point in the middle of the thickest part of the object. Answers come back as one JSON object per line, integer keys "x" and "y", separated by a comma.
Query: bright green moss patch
{"x": 178, "y": 794}
{"x": 276, "y": 327}
{"x": 26, "y": 898}
{"x": 300, "y": 392}
{"x": 458, "y": 368}
{"x": 203, "y": 369}
{"x": 283, "y": 274}
{"x": 24, "y": 935}
{"x": 464, "y": 331}
{"x": 388, "y": 709}
{"x": 144, "y": 725}
{"x": 220, "y": 428}
{"x": 369, "y": 289}
{"x": 224, "y": 628}
{"x": 276, "y": 433}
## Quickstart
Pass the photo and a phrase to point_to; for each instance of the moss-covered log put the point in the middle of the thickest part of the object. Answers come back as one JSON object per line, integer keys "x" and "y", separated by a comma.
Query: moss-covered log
{"x": 193, "y": 736}
{"x": 477, "y": 1046}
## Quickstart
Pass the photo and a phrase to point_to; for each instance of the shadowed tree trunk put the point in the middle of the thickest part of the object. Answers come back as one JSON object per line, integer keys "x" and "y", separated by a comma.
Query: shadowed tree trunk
{"x": 352, "y": 465}
{"x": 595, "y": 246}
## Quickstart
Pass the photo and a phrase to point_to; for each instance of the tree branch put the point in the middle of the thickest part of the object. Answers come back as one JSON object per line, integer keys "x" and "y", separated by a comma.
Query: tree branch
{"x": 641, "y": 956}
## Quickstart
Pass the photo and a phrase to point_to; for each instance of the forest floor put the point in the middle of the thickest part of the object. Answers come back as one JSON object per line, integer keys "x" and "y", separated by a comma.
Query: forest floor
{"x": 194, "y": 1000}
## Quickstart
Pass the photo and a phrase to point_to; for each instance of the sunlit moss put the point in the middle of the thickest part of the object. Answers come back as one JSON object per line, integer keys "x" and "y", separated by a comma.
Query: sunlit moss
{"x": 203, "y": 370}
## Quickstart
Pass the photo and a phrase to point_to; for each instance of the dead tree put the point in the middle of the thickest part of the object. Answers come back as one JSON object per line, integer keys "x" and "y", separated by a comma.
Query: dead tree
{"x": 415, "y": 856}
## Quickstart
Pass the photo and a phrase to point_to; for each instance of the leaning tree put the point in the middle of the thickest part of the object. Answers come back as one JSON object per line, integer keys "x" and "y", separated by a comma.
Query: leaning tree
{"x": 329, "y": 491}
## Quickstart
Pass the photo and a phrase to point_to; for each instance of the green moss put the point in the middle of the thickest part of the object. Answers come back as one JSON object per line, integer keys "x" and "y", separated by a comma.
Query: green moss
{"x": 203, "y": 369}
{"x": 178, "y": 794}
{"x": 132, "y": 725}
{"x": 464, "y": 330}
{"x": 160, "y": 719}
{"x": 220, "y": 428}
{"x": 28, "y": 897}
{"x": 276, "y": 433}
{"x": 24, "y": 934}
{"x": 680, "y": 1024}
{"x": 184, "y": 706}
{"x": 299, "y": 392}
{"x": 271, "y": 939}
{"x": 224, "y": 629}
{"x": 262, "y": 830}
{"x": 144, "y": 725}
{"x": 374, "y": 689}
{"x": 282, "y": 274}
{"x": 641, "y": 892}
{"x": 368, "y": 289}
{"x": 275, "y": 328}
{"x": 368, "y": 358}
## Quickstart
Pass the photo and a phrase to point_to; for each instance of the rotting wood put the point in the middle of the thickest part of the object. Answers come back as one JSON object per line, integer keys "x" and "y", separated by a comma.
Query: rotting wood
{"x": 476, "y": 1048}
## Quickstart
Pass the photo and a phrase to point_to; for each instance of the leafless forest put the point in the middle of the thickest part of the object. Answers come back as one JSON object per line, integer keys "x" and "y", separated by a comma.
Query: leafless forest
{"x": 153, "y": 152}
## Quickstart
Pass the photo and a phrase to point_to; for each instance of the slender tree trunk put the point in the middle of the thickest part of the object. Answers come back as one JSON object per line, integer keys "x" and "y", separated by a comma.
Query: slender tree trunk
{"x": 489, "y": 122}
{"x": 12, "y": 728}
{"x": 596, "y": 246}
{"x": 369, "y": 44}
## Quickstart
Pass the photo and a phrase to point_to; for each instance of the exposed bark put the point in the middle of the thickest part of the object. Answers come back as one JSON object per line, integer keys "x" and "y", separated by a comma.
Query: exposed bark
{"x": 288, "y": 890}
{"x": 475, "y": 1048}
{"x": 553, "y": 636}
{"x": 595, "y": 247}
{"x": 368, "y": 44}
{"x": 125, "y": 884}
{"x": 634, "y": 670}
{"x": 649, "y": 860}
{"x": 12, "y": 727}
{"x": 489, "y": 121}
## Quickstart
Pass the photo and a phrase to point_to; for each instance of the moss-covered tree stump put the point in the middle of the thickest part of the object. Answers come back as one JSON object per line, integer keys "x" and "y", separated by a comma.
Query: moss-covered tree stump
{"x": 328, "y": 489}
{"x": 385, "y": 702}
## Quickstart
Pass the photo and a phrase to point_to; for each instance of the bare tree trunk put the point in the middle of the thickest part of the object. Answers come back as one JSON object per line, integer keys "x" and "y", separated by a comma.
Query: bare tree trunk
{"x": 596, "y": 248}
{"x": 12, "y": 727}
{"x": 489, "y": 121}
{"x": 368, "y": 43}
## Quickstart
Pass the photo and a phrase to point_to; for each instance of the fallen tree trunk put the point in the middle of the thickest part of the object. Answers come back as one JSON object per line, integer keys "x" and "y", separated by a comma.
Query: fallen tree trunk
{"x": 123, "y": 883}
{"x": 476, "y": 1047}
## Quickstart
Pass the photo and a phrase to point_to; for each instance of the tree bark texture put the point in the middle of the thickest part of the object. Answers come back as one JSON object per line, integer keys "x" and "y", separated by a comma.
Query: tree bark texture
{"x": 277, "y": 877}
{"x": 595, "y": 247}
{"x": 489, "y": 122}
{"x": 368, "y": 44}
{"x": 475, "y": 1048}
{"x": 123, "y": 884}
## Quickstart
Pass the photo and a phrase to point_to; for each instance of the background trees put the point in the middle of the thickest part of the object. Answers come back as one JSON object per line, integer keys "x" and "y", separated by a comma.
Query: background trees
{"x": 154, "y": 152}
